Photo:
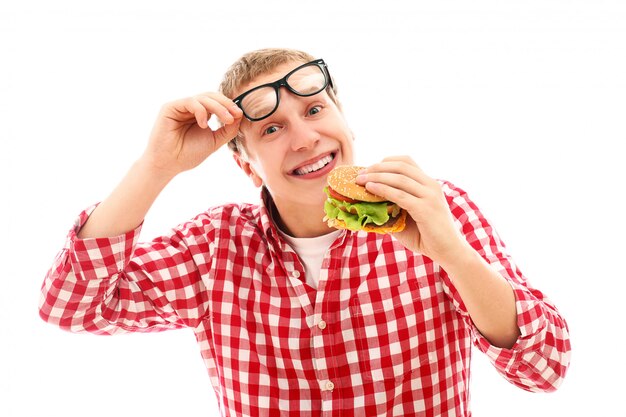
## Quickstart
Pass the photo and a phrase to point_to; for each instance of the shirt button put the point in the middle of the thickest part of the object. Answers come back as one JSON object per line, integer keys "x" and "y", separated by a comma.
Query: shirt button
{"x": 330, "y": 386}
{"x": 295, "y": 274}
{"x": 321, "y": 324}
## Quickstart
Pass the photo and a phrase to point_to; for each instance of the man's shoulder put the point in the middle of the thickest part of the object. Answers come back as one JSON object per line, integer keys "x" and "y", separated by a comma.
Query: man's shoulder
{"x": 225, "y": 215}
{"x": 235, "y": 209}
{"x": 216, "y": 218}
{"x": 221, "y": 223}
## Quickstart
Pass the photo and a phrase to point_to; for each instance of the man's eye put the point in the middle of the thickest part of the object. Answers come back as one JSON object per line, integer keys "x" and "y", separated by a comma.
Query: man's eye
{"x": 270, "y": 130}
{"x": 314, "y": 110}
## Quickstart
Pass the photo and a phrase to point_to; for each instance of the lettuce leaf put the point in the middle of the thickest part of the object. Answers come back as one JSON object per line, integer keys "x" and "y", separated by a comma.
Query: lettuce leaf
{"x": 365, "y": 212}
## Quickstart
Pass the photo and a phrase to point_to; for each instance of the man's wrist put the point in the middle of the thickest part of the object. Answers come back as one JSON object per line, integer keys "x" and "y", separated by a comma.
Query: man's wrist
{"x": 153, "y": 172}
{"x": 462, "y": 257}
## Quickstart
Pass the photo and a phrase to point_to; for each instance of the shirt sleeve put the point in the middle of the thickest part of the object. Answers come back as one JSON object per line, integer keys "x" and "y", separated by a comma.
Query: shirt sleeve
{"x": 540, "y": 357}
{"x": 115, "y": 285}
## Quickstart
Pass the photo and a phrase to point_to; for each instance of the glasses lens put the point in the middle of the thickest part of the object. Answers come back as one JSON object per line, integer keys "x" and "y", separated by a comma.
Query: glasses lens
{"x": 308, "y": 80}
{"x": 259, "y": 103}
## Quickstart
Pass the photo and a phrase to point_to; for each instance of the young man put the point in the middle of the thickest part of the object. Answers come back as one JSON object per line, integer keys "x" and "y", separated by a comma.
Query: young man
{"x": 293, "y": 318}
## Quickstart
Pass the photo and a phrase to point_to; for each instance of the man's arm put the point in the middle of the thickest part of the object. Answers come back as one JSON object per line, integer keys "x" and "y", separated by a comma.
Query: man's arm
{"x": 518, "y": 328}
{"x": 430, "y": 230}
{"x": 180, "y": 140}
{"x": 487, "y": 296}
{"x": 126, "y": 207}
{"x": 93, "y": 285}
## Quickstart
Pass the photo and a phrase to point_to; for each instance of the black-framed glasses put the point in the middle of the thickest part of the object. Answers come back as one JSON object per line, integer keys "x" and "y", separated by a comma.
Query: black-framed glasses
{"x": 306, "y": 80}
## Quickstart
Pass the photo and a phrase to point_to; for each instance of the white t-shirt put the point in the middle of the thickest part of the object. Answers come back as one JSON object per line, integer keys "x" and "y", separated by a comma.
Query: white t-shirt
{"x": 311, "y": 251}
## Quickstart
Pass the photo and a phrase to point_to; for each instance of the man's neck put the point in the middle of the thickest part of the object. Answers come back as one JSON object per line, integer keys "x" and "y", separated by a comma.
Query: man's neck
{"x": 305, "y": 221}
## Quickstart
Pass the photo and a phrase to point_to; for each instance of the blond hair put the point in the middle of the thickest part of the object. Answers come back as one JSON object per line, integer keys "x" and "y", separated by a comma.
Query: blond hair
{"x": 254, "y": 64}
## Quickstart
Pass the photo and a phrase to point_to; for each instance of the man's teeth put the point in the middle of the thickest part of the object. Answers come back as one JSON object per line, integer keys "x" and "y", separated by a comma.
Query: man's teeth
{"x": 314, "y": 167}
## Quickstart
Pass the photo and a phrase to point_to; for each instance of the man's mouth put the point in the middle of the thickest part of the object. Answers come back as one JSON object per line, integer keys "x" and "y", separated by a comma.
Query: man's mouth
{"x": 315, "y": 166}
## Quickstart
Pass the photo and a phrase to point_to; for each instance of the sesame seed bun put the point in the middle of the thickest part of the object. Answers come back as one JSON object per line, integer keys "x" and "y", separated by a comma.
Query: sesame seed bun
{"x": 343, "y": 180}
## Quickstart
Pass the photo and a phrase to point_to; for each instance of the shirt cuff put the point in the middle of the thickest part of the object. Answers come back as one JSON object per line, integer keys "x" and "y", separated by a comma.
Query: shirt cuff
{"x": 99, "y": 258}
{"x": 532, "y": 323}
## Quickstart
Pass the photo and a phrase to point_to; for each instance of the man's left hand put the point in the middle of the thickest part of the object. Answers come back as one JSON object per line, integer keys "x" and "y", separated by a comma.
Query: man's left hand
{"x": 430, "y": 228}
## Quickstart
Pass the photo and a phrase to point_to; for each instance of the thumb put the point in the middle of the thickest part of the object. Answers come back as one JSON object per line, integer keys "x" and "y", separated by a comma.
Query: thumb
{"x": 226, "y": 133}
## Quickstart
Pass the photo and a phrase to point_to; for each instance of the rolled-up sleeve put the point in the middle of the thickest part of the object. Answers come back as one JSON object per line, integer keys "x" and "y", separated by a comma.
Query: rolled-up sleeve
{"x": 539, "y": 359}
{"x": 114, "y": 284}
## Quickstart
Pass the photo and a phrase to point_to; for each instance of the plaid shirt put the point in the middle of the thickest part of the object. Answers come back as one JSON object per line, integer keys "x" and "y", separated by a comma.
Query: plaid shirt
{"x": 385, "y": 334}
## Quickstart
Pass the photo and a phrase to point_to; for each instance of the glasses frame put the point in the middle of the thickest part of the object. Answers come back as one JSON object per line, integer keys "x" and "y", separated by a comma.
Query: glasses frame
{"x": 283, "y": 83}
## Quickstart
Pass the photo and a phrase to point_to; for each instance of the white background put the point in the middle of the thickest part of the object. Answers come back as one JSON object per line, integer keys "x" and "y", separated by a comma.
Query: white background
{"x": 523, "y": 104}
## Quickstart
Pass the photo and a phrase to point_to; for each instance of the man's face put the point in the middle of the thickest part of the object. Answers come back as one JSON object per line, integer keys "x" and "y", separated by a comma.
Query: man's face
{"x": 292, "y": 151}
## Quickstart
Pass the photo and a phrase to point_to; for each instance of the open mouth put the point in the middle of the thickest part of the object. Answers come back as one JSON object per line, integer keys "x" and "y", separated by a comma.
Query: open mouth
{"x": 316, "y": 166}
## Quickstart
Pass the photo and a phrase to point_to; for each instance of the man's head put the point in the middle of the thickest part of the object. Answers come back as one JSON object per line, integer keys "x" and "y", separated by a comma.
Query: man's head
{"x": 257, "y": 63}
{"x": 296, "y": 132}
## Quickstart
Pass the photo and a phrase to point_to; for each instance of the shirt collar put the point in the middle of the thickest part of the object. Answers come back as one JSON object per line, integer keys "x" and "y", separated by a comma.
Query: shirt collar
{"x": 268, "y": 212}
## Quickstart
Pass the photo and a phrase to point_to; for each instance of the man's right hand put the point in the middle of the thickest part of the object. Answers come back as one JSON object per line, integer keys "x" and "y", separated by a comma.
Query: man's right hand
{"x": 181, "y": 138}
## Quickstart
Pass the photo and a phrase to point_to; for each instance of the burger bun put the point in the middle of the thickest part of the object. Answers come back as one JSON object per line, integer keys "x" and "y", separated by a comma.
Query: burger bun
{"x": 342, "y": 179}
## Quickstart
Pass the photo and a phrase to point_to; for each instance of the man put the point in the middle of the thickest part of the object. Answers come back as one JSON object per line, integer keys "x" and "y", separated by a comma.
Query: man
{"x": 293, "y": 318}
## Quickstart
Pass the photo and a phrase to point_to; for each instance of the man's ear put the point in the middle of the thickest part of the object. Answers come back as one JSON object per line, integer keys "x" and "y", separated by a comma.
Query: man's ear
{"x": 247, "y": 169}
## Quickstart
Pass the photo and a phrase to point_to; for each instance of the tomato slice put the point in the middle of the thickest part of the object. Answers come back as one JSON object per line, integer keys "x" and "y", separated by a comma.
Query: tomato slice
{"x": 334, "y": 194}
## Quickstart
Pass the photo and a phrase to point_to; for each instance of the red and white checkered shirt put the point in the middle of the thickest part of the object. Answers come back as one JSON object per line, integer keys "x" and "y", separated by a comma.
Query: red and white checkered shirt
{"x": 385, "y": 333}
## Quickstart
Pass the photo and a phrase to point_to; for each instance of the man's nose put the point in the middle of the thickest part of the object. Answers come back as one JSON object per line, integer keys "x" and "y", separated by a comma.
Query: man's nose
{"x": 304, "y": 134}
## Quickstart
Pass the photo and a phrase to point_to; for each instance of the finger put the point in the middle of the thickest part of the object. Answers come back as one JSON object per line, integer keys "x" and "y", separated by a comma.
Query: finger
{"x": 226, "y": 132}
{"x": 397, "y": 181}
{"x": 182, "y": 111}
{"x": 227, "y": 104}
{"x": 397, "y": 195}
{"x": 214, "y": 107}
{"x": 201, "y": 113}
{"x": 402, "y": 159}
{"x": 202, "y": 107}
{"x": 394, "y": 164}
{"x": 404, "y": 167}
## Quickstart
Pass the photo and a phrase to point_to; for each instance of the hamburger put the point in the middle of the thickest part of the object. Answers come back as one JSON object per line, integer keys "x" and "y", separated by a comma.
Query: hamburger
{"x": 350, "y": 206}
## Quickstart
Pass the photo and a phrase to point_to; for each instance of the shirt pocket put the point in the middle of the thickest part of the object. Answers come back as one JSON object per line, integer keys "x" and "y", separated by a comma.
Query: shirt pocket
{"x": 394, "y": 331}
